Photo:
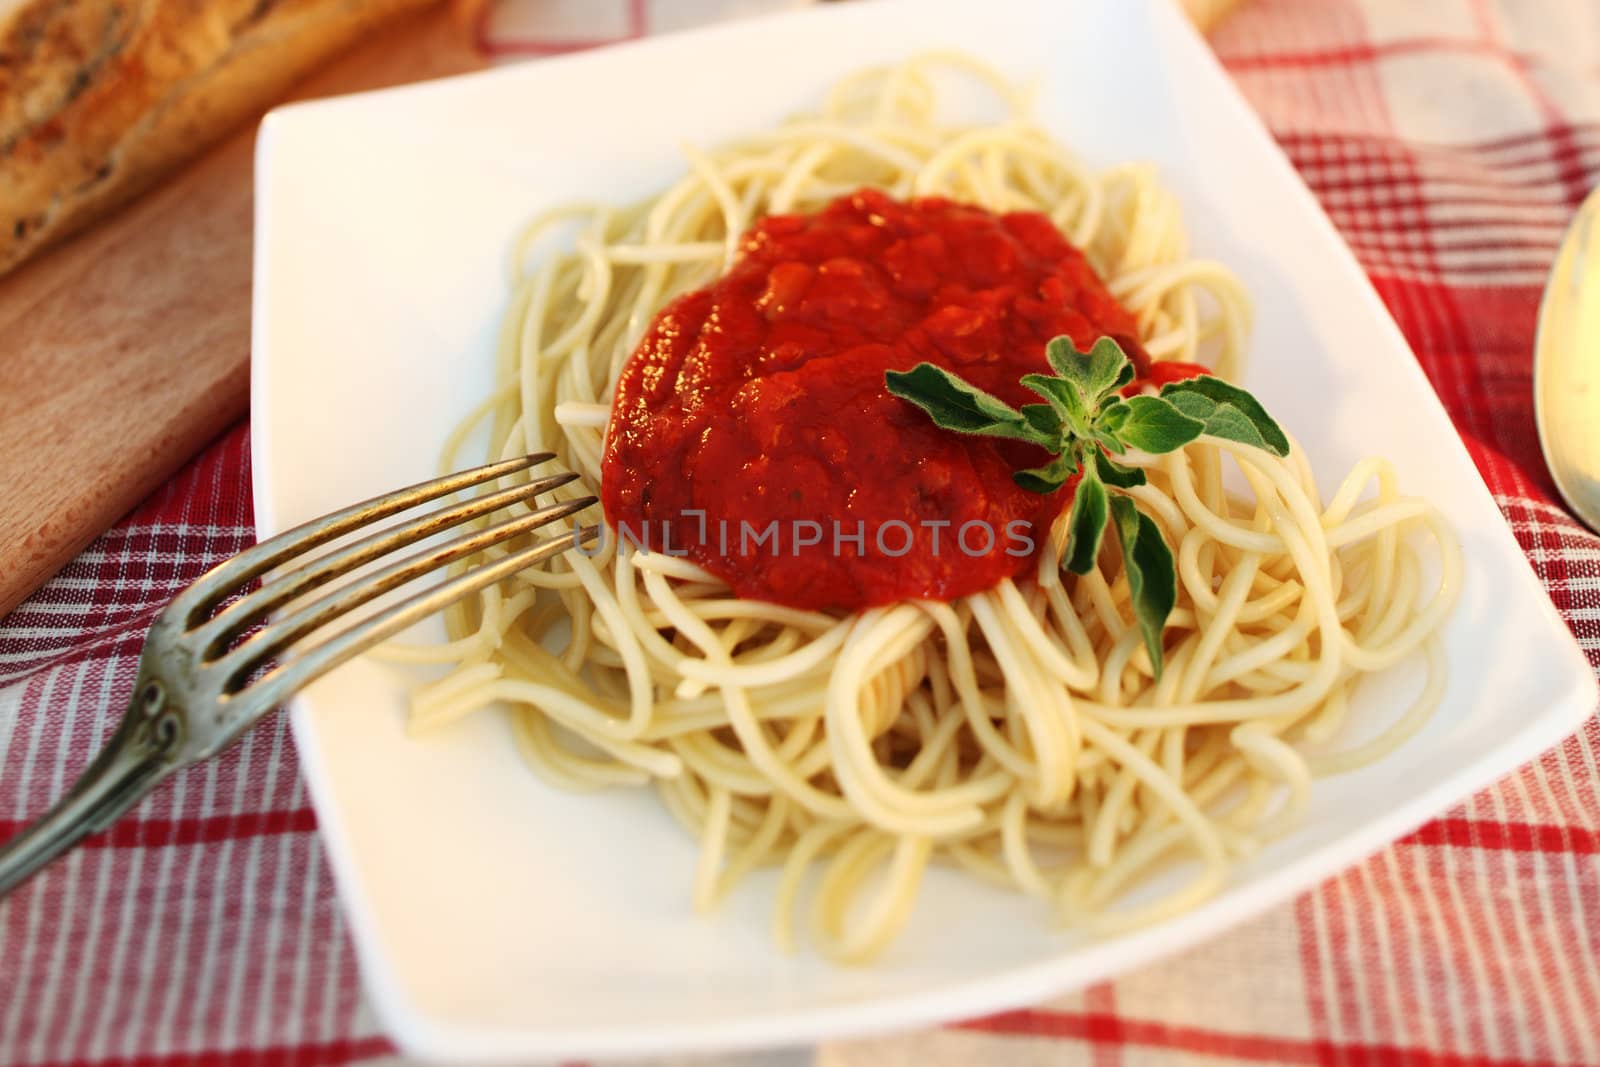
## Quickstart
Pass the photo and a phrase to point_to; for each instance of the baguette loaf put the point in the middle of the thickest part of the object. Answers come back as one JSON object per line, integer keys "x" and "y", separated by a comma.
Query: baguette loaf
{"x": 100, "y": 98}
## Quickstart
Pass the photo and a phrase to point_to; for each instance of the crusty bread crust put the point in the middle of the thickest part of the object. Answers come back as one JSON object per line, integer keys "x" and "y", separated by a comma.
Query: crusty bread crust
{"x": 99, "y": 98}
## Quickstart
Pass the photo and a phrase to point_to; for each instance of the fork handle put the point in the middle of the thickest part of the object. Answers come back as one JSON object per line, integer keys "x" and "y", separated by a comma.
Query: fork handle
{"x": 136, "y": 758}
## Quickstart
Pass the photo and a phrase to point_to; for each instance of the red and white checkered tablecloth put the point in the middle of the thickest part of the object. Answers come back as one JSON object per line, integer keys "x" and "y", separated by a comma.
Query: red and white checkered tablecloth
{"x": 1450, "y": 140}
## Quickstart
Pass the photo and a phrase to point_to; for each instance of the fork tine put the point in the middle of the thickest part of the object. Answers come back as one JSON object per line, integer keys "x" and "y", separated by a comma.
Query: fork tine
{"x": 287, "y": 678}
{"x": 179, "y": 715}
{"x": 311, "y": 617}
{"x": 228, "y": 576}
{"x": 240, "y": 615}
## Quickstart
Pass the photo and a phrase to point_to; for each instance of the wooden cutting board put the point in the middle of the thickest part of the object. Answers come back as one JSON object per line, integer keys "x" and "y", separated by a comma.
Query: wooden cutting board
{"x": 127, "y": 350}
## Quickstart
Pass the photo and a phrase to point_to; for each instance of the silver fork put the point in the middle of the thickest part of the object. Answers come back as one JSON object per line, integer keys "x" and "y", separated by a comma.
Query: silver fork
{"x": 201, "y": 684}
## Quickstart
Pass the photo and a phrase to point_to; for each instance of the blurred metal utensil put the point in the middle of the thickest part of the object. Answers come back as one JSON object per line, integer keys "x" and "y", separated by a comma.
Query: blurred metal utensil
{"x": 1566, "y": 366}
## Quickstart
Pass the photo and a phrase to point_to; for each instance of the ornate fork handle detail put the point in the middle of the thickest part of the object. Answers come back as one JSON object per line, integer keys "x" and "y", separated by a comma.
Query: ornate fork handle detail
{"x": 147, "y": 746}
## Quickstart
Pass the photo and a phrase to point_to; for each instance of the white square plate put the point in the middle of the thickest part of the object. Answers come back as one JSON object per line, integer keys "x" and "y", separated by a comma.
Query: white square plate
{"x": 499, "y": 919}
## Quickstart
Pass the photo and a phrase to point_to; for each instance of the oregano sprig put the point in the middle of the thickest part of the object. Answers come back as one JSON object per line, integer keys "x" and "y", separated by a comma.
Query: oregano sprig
{"x": 1086, "y": 424}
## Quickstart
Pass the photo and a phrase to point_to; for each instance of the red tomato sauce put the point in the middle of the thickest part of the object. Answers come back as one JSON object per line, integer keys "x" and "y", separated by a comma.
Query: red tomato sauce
{"x": 760, "y": 400}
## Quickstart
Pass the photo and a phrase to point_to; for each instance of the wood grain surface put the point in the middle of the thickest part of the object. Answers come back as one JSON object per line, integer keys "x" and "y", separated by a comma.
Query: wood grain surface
{"x": 127, "y": 350}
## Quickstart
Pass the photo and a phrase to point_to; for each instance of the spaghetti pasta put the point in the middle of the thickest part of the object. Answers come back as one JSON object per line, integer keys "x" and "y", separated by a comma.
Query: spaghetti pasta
{"x": 1019, "y": 733}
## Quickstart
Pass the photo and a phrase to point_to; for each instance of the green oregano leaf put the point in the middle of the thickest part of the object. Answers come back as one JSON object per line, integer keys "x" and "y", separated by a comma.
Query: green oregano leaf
{"x": 1048, "y": 478}
{"x": 1226, "y": 410}
{"x": 1115, "y": 474}
{"x": 1124, "y": 376}
{"x": 1155, "y": 426}
{"x": 1110, "y": 442}
{"x": 1152, "y": 578}
{"x": 955, "y": 405}
{"x": 1045, "y": 419}
{"x": 1086, "y": 525}
{"x": 1095, "y": 372}
{"x": 1231, "y": 424}
{"x": 1192, "y": 404}
{"x": 1064, "y": 397}
{"x": 1113, "y": 416}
